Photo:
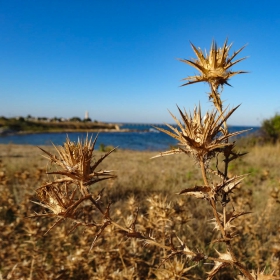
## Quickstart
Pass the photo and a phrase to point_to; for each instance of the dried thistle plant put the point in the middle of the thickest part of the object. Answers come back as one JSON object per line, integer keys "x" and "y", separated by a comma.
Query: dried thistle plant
{"x": 205, "y": 139}
{"x": 67, "y": 195}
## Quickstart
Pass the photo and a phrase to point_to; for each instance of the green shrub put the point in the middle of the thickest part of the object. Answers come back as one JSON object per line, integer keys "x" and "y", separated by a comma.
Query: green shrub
{"x": 270, "y": 128}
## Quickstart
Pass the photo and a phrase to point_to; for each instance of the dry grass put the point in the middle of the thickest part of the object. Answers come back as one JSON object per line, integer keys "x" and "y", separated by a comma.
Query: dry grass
{"x": 141, "y": 182}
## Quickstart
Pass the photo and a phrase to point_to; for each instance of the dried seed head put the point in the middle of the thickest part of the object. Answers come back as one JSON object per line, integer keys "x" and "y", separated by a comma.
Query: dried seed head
{"x": 200, "y": 137}
{"x": 75, "y": 160}
{"x": 175, "y": 268}
{"x": 55, "y": 198}
{"x": 213, "y": 67}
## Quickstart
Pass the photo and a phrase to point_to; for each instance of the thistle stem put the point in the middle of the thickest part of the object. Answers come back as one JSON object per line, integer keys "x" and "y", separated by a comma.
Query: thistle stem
{"x": 222, "y": 230}
{"x": 203, "y": 172}
{"x": 119, "y": 226}
{"x": 225, "y": 217}
{"x": 218, "y": 104}
{"x": 212, "y": 201}
{"x": 244, "y": 271}
{"x": 241, "y": 268}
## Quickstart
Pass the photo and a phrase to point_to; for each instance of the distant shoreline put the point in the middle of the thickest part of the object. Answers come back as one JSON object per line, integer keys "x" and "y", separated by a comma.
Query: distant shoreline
{"x": 70, "y": 131}
{"x": 22, "y": 126}
{"x": 77, "y": 130}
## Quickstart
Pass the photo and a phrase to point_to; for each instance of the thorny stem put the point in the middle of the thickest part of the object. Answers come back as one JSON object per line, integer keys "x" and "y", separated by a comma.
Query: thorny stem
{"x": 212, "y": 202}
{"x": 239, "y": 266}
{"x": 218, "y": 104}
{"x": 225, "y": 216}
{"x": 102, "y": 211}
{"x": 244, "y": 271}
{"x": 221, "y": 227}
{"x": 226, "y": 169}
{"x": 217, "y": 101}
{"x": 225, "y": 178}
{"x": 119, "y": 226}
{"x": 219, "y": 108}
{"x": 203, "y": 172}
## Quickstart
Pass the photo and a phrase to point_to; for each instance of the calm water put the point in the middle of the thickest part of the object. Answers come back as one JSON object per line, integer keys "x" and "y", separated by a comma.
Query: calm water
{"x": 145, "y": 138}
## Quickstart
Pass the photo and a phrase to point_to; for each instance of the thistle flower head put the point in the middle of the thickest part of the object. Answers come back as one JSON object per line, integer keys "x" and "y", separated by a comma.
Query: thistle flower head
{"x": 75, "y": 161}
{"x": 213, "y": 67}
{"x": 55, "y": 198}
{"x": 201, "y": 137}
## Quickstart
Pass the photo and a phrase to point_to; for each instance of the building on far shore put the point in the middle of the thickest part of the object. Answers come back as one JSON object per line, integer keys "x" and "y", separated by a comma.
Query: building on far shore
{"x": 86, "y": 115}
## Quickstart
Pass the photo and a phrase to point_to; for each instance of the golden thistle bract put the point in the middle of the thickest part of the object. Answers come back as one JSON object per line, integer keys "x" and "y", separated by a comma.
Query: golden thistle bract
{"x": 213, "y": 67}
{"x": 201, "y": 137}
{"x": 75, "y": 162}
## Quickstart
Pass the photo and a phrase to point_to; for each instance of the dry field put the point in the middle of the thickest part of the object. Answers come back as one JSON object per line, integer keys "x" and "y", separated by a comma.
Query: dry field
{"x": 151, "y": 185}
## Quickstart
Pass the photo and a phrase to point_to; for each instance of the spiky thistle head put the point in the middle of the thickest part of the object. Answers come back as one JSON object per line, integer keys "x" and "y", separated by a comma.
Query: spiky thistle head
{"x": 214, "y": 67}
{"x": 57, "y": 198}
{"x": 201, "y": 137}
{"x": 75, "y": 161}
{"x": 64, "y": 196}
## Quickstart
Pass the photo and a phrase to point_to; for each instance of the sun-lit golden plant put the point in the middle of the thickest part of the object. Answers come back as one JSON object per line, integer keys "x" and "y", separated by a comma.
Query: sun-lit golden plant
{"x": 214, "y": 68}
{"x": 207, "y": 138}
{"x": 74, "y": 162}
{"x": 66, "y": 195}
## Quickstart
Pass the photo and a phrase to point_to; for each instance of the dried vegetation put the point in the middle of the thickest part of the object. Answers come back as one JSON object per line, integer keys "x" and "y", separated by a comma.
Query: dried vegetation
{"x": 208, "y": 212}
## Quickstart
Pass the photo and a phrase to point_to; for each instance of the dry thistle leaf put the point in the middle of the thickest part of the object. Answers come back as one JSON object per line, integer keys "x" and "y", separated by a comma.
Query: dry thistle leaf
{"x": 197, "y": 191}
{"x": 229, "y": 218}
{"x": 229, "y": 185}
{"x": 225, "y": 259}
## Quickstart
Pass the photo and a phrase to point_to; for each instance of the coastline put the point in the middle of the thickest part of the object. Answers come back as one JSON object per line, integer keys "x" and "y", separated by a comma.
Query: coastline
{"x": 20, "y": 127}
{"x": 72, "y": 130}
{"x": 26, "y": 132}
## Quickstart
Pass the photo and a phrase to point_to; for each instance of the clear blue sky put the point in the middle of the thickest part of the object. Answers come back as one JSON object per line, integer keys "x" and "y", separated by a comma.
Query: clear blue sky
{"x": 118, "y": 59}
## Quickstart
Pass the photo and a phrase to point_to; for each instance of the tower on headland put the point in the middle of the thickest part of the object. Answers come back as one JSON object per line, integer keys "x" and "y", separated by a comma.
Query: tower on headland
{"x": 86, "y": 115}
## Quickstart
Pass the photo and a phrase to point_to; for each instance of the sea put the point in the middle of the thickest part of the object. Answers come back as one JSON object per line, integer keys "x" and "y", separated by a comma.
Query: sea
{"x": 140, "y": 137}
